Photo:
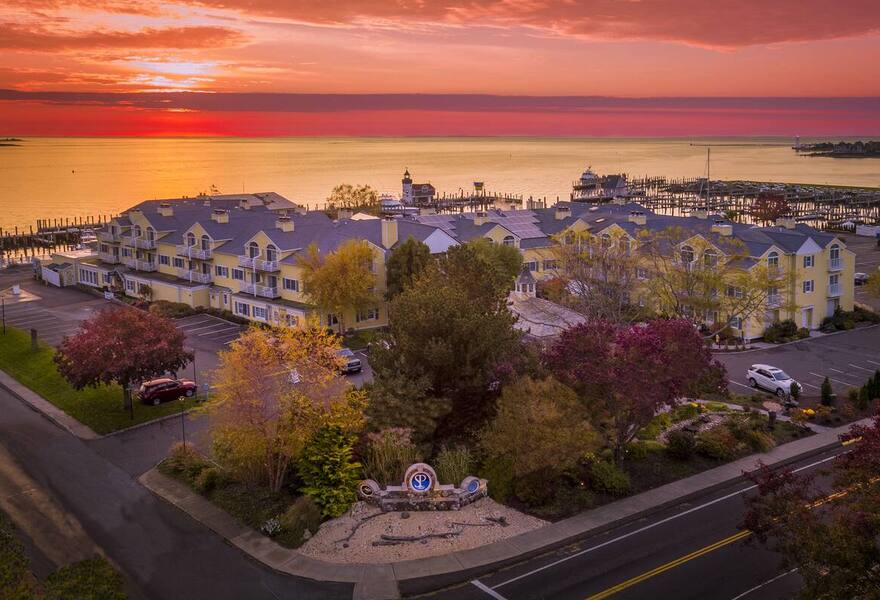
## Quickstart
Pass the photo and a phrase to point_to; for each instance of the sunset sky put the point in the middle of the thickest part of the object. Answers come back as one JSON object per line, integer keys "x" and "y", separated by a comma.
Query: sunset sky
{"x": 420, "y": 67}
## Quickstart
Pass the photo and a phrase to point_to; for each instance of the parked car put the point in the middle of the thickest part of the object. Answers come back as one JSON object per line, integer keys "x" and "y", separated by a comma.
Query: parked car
{"x": 861, "y": 278}
{"x": 157, "y": 391}
{"x": 352, "y": 363}
{"x": 771, "y": 379}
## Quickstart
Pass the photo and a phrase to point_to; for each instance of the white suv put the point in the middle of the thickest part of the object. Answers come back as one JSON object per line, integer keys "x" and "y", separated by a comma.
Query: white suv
{"x": 771, "y": 379}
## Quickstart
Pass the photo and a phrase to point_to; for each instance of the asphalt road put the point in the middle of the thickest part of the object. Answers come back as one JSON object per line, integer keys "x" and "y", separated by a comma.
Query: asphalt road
{"x": 692, "y": 551}
{"x": 846, "y": 358}
{"x": 164, "y": 553}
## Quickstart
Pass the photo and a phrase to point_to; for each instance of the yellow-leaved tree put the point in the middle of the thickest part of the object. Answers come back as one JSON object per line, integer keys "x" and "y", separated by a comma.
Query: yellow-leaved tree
{"x": 274, "y": 389}
{"x": 340, "y": 281}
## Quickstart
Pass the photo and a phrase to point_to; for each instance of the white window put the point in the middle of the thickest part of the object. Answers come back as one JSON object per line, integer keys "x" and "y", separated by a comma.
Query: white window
{"x": 225, "y": 299}
{"x": 242, "y": 309}
{"x": 734, "y": 292}
{"x": 221, "y": 271}
{"x": 290, "y": 284}
{"x": 532, "y": 265}
{"x": 642, "y": 273}
{"x": 687, "y": 255}
{"x": 178, "y": 263}
{"x": 809, "y": 260}
{"x": 88, "y": 276}
{"x": 808, "y": 286}
{"x": 126, "y": 251}
{"x": 736, "y": 322}
{"x": 773, "y": 260}
{"x": 238, "y": 274}
{"x": 105, "y": 277}
{"x": 261, "y": 313}
{"x": 164, "y": 260}
{"x": 129, "y": 285}
{"x": 509, "y": 240}
{"x": 549, "y": 264}
{"x": 368, "y": 315}
{"x": 332, "y": 320}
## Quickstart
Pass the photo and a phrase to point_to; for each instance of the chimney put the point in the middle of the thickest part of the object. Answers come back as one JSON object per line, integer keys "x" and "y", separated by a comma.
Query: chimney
{"x": 219, "y": 215}
{"x": 389, "y": 232}
{"x": 300, "y": 209}
{"x": 637, "y": 217}
{"x": 788, "y": 222}
{"x": 562, "y": 212}
{"x": 480, "y": 218}
{"x": 344, "y": 213}
{"x": 284, "y": 224}
{"x": 700, "y": 212}
{"x": 165, "y": 209}
{"x": 722, "y": 228}
{"x": 244, "y": 203}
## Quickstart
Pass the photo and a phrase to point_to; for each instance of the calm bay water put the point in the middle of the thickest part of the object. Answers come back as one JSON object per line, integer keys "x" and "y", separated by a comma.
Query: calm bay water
{"x": 76, "y": 177}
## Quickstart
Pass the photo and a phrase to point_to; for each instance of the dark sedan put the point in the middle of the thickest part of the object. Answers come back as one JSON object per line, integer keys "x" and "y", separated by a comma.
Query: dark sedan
{"x": 157, "y": 391}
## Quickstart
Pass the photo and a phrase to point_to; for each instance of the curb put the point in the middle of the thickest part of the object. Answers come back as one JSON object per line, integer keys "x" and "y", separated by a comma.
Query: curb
{"x": 420, "y": 576}
{"x": 773, "y": 346}
{"x": 145, "y": 423}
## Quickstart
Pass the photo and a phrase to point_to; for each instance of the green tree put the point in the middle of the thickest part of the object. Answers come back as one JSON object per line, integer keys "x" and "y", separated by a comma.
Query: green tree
{"x": 450, "y": 327}
{"x": 397, "y": 400}
{"x": 827, "y": 394}
{"x": 328, "y": 471}
{"x": 505, "y": 261}
{"x": 340, "y": 281}
{"x": 352, "y": 197}
{"x": 405, "y": 263}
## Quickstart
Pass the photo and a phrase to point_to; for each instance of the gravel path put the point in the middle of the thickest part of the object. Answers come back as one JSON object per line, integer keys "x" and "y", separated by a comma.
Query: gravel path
{"x": 330, "y": 542}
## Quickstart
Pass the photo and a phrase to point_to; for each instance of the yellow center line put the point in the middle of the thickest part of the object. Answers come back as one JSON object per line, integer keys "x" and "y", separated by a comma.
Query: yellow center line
{"x": 670, "y": 565}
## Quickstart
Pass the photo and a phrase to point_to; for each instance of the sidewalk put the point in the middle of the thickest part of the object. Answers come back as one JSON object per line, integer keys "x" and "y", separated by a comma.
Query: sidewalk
{"x": 385, "y": 581}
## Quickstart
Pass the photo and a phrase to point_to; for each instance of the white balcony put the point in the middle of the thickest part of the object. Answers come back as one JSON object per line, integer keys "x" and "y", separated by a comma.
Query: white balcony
{"x": 108, "y": 257}
{"x": 774, "y": 301}
{"x": 138, "y": 265}
{"x": 106, "y": 236}
{"x": 835, "y": 264}
{"x": 194, "y": 252}
{"x": 194, "y": 276}
{"x": 264, "y": 291}
{"x": 143, "y": 243}
{"x": 834, "y": 289}
{"x": 258, "y": 263}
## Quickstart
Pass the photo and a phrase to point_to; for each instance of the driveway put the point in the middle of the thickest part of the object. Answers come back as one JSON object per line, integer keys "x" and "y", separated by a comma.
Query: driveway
{"x": 847, "y": 359}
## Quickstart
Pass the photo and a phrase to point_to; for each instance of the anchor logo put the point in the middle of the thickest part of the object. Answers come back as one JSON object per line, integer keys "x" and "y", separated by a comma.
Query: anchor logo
{"x": 420, "y": 482}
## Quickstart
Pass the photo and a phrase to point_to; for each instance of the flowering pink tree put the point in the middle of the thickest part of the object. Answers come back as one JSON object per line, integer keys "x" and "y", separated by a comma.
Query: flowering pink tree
{"x": 625, "y": 375}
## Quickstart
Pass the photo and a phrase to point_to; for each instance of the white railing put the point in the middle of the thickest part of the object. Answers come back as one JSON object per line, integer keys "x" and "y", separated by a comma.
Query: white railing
{"x": 835, "y": 264}
{"x": 196, "y": 276}
{"x": 834, "y": 289}
{"x": 258, "y": 263}
{"x": 143, "y": 243}
{"x": 108, "y": 257}
{"x": 774, "y": 300}
{"x": 138, "y": 265}
{"x": 260, "y": 290}
{"x": 194, "y": 252}
{"x": 106, "y": 236}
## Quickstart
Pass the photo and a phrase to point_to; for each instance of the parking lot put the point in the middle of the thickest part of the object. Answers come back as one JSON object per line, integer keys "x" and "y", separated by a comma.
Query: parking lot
{"x": 847, "y": 359}
{"x": 867, "y": 261}
{"x": 209, "y": 328}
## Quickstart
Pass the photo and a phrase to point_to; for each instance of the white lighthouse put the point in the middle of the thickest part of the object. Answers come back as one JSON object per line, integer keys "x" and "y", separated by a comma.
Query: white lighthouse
{"x": 407, "y": 197}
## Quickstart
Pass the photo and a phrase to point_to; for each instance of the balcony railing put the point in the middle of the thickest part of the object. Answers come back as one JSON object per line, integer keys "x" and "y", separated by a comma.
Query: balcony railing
{"x": 143, "y": 243}
{"x": 257, "y": 263}
{"x": 834, "y": 289}
{"x": 106, "y": 236}
{"x": 774, "y": 301}
{"x": 774, "y": 272}
{"x": 194, "y": 252}
{"x": 195, "y": 276}
{"x": 835, "y": 264}
{"x": 260, "y": 290}
{"x": 138, "y": 265}
{"x": 109, "y": 257}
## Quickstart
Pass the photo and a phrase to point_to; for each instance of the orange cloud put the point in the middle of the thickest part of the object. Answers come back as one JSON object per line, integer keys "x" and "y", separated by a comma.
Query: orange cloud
{"x": 14, "y": 36}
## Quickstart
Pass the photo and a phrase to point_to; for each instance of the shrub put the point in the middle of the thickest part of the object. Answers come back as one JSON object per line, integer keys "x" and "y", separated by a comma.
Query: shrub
{"x": 827, "y": 393}
{"x": 498, "y": 471}
{"x": 636, "y": 450}
{"x": 207, "y": 479}
{"x": 824, "y": 414}
{"x": 781, "y": 331}
{"x": 388, "y": 455}
{"x": 91, "y": 579}
{"x": 717, "y": 443}
{"x": 681, "y": 444}
{"x": 172, "y": 310}
{"x": 759, "y": 441}
{"x": 537, "y": 488}
{"x": 453, "y": 465}
{"x": 795, "y": 391}
{"x": 802, "y": 333}
{"x": 328, "y": 472}
{"x": 271, "y": 527}
{"x": 608, "y": 478}
{"x": 303, "y": 515}
{"x": 184, "y": 460}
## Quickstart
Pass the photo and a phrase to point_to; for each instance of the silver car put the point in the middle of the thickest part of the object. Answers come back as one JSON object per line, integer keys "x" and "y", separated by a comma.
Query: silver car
{"x": 771, "y": 379}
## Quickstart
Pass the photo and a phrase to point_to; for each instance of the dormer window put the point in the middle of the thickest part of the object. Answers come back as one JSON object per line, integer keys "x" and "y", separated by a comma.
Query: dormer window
{"x": 151, "y": 234}
{"x": 687, "y": 255}
{"x": 271, "y": 253}
{"x": 138, "y": 232}
{"x": 509, "y": 240}
{"x": 190, "y": 239}
{"x": 710, "y": 258}
{"x": 206, "y": 242}
{"x": 253, "y": 250}
{"x": 773, "y": 260}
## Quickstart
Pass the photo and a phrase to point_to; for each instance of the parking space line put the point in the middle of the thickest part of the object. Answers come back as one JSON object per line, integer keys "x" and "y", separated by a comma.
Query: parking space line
{"x": 862, "y": 368}
{"x": 748, "y": 387}
{"x": 30, "y": 321}
{"x": 815, "y": 387}
{"x": 836, "y": 370}
{"x": 833, "y": 379}
{"x": 194, "y": 329}
{"x": 195, "y": 325}
{"x": 220, "y": 332}
{"x": 873, "y": 362}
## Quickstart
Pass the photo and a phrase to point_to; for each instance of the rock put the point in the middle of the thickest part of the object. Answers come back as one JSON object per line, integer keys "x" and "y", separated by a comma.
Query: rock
{"x": 404, "y": 515}
{"x": 307, "y": 535}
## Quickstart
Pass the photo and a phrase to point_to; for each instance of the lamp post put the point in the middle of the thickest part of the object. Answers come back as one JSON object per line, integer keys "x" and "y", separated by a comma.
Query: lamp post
{"x": 3, "y": 308}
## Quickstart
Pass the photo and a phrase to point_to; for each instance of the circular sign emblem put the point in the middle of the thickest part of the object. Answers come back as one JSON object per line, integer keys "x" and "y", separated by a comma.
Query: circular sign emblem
{"x": 366, "y": 491}
{"x": 473, "y": 486}
{"x": 420, "y": 482}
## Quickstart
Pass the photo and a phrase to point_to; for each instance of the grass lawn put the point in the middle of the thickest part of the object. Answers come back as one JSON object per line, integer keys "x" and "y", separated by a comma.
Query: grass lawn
{"x": 99, "y": 408}
{"x": 92, "y": 579}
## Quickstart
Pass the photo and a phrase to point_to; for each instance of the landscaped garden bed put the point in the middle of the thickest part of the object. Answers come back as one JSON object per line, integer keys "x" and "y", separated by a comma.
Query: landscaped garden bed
{"x": 100, "y": 408}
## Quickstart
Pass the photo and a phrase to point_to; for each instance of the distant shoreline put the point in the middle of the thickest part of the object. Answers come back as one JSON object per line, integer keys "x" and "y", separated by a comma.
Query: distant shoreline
{"x": 10, "y": 141}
